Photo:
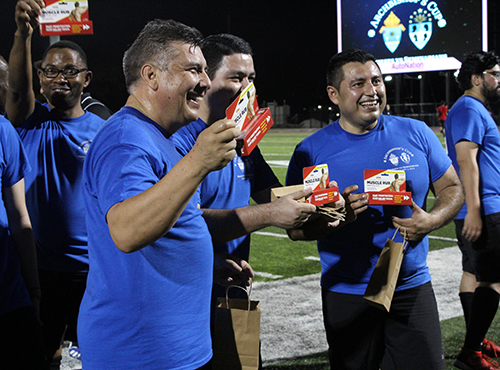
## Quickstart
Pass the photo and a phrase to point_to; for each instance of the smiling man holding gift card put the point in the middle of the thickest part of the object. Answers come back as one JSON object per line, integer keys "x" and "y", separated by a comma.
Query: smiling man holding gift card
{"x": 231, "y": 70}
{"x": 360, "y": 335}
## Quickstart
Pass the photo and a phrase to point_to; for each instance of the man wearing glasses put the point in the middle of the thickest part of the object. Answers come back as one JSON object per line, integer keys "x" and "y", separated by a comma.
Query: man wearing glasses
{"x": 473, "y": 145}
{"x": 56, "y": 138}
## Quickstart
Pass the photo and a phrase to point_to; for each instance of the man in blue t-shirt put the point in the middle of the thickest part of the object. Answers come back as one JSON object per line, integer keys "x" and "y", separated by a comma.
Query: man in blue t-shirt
{"x": 21, "y": 344}
{"x": 56, "y": 137}
{"x": 228, "y": 191}
{"x": 361, "y": 336}
{"x": 147, "y": 303}
{"x": 474, "y": 147}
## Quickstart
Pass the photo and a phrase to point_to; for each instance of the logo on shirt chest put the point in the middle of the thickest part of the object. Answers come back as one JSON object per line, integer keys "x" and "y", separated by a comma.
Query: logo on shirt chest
{"x": 398, "y": 157}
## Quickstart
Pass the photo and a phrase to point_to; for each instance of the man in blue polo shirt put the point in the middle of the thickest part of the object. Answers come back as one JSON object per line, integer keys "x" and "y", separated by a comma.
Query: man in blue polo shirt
{"x": 359, "y": 335}
{"x": 56, "y": 137}
{"x": 474, "y": 147}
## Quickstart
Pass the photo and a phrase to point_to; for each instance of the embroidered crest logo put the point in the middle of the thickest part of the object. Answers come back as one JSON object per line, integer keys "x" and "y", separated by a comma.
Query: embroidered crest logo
{"x": 420, "y": 28}
{"x": 392, "y": 32}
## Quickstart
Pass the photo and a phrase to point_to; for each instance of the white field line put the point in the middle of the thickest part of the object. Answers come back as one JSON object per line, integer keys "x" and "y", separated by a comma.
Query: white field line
{"x": 265, "y": 233}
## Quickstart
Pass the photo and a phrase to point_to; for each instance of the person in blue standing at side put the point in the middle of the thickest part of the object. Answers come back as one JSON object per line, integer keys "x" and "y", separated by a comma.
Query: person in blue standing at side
{"x": 361, "y": 336}
{"x": 20, "y": 330}
{"x": 147, "y": 303}
{"x": 56, "y": 138}
{"x": 473, "y": 145}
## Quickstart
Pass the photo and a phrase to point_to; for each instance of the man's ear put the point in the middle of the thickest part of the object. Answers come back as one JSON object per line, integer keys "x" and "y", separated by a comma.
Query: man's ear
{"x": 476, "y": 79}
{"x": 88, "y": 78}
{"x": 149, "y": 74}
{"x": 333, "y": 94}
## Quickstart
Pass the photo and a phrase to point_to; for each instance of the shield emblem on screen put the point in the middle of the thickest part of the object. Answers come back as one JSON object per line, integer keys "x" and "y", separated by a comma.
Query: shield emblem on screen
{"x": 392, "y": 37}
{"x": 420, "y": 34}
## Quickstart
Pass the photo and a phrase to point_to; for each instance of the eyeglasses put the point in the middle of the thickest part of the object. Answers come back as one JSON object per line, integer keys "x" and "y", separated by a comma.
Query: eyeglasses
{"x": 66, "y": 72}
{"x": 495, "y": 74}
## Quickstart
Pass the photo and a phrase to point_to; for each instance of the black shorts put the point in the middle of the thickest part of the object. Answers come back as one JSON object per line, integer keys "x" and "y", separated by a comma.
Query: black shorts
{"x": 21, "y": 344}
{"x": 361, "y": 336}
{"x": 482, "y": 257}
{"x": 62, "y": 293}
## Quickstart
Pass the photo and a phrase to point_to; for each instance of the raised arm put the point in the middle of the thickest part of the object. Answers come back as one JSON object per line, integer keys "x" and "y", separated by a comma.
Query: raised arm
{"x": 142, "y": 219}
{"x": 21, "y": 97}
{"x": 449, "y": 199}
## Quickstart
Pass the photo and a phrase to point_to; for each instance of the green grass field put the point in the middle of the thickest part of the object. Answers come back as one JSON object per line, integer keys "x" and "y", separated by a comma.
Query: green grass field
{"x": 283, "y": 258}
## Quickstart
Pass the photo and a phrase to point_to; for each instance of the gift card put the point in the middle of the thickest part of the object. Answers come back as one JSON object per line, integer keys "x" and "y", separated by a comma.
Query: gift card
{"x": 244, "y": 107}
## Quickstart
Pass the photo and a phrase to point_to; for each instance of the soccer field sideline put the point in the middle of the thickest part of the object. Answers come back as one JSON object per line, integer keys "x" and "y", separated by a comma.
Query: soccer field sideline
{"x": 292, "y": 321}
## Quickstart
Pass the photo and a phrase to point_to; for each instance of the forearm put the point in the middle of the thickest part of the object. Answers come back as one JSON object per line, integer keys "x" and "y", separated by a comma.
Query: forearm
{"x": 228, "y": 224}
{"x": 20, "y": 98}
{"x": 314, "y": 229}
{"x": 142, "y": 219}
{"x": 447, "y": 205}
{"x": 25, "y": 246}
{"x": 470, "y": 181}
{"x": 449, "y": 199}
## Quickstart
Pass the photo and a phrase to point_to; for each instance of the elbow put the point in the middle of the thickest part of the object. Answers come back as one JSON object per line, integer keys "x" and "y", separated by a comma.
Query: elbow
{"x": 124, "y": 240}
{"x": 293, "y": 234}
{"x": 123, "y": 245}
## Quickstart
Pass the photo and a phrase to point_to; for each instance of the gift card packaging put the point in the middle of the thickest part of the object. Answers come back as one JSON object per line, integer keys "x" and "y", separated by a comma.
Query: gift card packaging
{"x": 252, "y": 121}
{"x": 316, "y": 178}
{"x": 68, "y": 17}
{"x": 386, "y": 187}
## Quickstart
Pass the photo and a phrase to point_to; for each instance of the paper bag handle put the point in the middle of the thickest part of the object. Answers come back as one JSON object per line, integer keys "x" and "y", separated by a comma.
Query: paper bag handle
{"x": 239, "y": 287}
{"x": 405, "y": 242}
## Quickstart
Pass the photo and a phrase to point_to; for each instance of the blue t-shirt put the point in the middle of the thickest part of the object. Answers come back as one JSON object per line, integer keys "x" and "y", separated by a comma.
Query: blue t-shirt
{"x": 149, "y": 309}
{"x": 56, "y": 148}
{"x": 348, "y": 256}
{"x": 13, "y": 167}
{"x": 470, "y": 120}
{"x": 230, "y": 187}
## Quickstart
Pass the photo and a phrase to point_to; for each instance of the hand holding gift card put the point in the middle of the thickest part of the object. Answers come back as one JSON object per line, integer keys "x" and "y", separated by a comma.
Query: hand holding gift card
{"x": 387, "y": 187}
{"x": 252, "y": 121}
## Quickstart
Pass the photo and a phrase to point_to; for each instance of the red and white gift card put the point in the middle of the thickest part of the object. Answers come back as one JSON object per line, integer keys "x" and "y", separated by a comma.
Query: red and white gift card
{"x": 65, "y": 17}
{"x": 316, "y": 178}
{"x": 252, "y": 121}
{"x": 386, "y": 187}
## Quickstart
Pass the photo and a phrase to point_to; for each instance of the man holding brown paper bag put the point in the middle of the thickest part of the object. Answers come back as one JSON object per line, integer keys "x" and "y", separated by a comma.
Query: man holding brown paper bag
{"x": 228, "y": 191}
{"x": 361, "y": 336}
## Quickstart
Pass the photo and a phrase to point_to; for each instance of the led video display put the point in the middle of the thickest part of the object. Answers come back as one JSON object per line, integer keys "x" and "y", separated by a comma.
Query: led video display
{"x": 413, "y": 35}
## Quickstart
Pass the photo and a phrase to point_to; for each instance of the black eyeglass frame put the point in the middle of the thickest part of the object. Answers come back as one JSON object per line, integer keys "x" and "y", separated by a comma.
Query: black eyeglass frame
{"x": 73, "y": 72}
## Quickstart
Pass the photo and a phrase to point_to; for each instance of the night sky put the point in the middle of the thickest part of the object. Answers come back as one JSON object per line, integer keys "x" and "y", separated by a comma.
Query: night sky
{"x": 292, "y": 41}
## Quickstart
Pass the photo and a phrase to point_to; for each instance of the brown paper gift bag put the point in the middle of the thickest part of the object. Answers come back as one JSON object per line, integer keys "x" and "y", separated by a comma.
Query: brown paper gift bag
{"x": 380, "y": 289}
{"x": 236, "y": 333}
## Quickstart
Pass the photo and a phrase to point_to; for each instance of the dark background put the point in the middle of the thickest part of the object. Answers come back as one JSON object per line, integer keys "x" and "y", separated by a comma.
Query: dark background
{"x": 292, "y": 43}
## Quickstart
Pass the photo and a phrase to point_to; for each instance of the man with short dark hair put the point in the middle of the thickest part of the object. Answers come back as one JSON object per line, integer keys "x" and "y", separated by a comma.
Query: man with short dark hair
{"x": 228, "y": 191}
{"x": 474, "y": 147}
{"x": 359, "y": 335}
{"x": 56, "y": 137}
{"x": 147, "y": 303}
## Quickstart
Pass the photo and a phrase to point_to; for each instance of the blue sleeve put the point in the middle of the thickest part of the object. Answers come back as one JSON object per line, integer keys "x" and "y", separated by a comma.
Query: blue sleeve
{"x": 438, "y": 160}
{"x": 122, "y": 172}
{"x": 264, "y": 175}
{"x": 14, "y": 162}
{"x": 462, "y": 129}
{"x": 299, "y": 160}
